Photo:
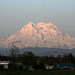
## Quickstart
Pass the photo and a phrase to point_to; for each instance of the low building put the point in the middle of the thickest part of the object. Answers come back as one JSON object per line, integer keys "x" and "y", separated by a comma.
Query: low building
{"x": 4, "y": 64}
{"x": 49, "y": 67}
{"x": 30, "y": 68}
{"x": 65, "y": 66}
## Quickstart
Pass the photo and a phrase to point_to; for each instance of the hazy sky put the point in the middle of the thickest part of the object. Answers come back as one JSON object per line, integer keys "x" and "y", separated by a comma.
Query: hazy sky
{"x": 14, "y": 14}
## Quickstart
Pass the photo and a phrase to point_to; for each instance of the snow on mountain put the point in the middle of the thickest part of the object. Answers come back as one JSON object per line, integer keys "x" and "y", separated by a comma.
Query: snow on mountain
{"x": 39, "y": 35}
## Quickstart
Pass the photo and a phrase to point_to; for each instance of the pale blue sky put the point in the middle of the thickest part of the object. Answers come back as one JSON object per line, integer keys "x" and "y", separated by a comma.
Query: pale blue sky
{"x": 14, "y": 14}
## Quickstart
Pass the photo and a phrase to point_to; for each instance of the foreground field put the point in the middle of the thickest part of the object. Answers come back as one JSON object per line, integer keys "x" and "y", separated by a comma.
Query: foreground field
{"x": 37, "y": 72}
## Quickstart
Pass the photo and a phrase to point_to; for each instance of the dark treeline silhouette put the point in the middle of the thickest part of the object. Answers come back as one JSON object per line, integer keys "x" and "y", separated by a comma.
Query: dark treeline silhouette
{"x": 27, "y": 59}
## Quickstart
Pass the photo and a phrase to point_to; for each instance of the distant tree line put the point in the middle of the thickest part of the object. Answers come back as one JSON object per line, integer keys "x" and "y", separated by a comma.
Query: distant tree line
{"x": 19, "y": 61}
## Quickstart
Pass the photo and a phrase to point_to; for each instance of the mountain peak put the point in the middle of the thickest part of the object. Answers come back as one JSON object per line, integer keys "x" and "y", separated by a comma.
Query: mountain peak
{"x": 46, "y": 24}
{"x": 52, "y": 25}
{"x": 39, "y": 35}
{"x": 29, "y": 24}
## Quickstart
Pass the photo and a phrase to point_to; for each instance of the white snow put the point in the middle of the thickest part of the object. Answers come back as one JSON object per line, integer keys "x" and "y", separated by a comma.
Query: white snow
{"x": 39, "y": 35}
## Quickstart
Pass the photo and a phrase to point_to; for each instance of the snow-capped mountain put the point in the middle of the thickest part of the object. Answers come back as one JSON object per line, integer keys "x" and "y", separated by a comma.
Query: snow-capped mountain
{"x": 39, "y": 35}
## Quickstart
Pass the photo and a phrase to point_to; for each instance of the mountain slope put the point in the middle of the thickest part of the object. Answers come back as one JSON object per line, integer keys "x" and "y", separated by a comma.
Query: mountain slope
{"x": 39, "y": 35}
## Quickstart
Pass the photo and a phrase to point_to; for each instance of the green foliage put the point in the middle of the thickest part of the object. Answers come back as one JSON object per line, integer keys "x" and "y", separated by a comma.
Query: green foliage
{"x": 28, "y": 59}
{"x": 1, "y": 67}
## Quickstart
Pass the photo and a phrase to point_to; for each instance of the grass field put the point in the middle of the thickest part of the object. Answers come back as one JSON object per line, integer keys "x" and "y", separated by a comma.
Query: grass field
{"x": 61, "y": 72}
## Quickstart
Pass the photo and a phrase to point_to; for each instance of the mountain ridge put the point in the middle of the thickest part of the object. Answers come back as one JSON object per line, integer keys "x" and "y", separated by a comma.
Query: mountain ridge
{"x": 39, "y": 35}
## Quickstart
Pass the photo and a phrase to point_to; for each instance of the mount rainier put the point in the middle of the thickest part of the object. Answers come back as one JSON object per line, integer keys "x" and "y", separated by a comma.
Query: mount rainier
{"x": 39, "y": 35}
